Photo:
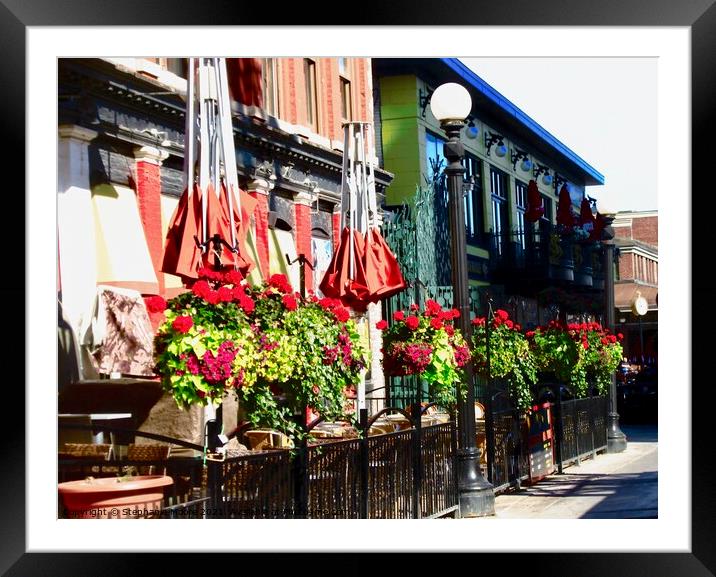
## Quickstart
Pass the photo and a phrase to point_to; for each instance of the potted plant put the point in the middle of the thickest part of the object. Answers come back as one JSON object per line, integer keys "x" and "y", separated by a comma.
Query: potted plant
{"x": 124, "y": 497}
{"x": 510, "y": 356}
{"x": 279, "y": 353}
{"x": 206, "y": 346}
{"x": 310, "y": 357}
{"x": 578, "y": 354}
{"x": 426, "y": 344}
{"x": 601, "y": 352}
{"x": 561, "y": 262}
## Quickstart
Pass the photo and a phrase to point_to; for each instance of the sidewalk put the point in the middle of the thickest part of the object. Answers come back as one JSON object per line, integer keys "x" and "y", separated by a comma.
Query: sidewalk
{"x": 612, "y": 486}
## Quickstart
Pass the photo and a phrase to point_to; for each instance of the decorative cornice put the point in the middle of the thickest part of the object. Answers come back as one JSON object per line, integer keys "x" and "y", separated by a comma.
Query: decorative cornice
{"x": 94, "y": 78}
{"x": 75, "y": 132}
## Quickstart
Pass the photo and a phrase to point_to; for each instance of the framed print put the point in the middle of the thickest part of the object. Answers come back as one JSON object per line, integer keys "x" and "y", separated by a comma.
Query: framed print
{"x": 36, "y": 35}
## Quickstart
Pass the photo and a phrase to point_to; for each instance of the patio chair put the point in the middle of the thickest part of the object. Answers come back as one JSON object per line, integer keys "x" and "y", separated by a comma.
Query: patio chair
{"x": 262, "y": 439}
{"x": 91, "y": 456}
{"x": 149, "y": 453}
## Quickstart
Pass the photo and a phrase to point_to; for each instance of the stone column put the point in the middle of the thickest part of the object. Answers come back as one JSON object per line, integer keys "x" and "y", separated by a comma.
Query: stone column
{"x": 149, "y": 200}
{"x": 75, "y": 231}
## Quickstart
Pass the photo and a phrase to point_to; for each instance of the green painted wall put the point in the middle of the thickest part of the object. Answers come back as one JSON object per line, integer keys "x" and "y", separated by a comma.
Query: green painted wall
{"x": 401, "y": 135}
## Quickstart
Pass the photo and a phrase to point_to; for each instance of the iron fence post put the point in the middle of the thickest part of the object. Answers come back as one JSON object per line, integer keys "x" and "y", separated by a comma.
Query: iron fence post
{"x": 415, "y": 413}
{"x": 364, "y": 464}
{"x": 559, "y": 429}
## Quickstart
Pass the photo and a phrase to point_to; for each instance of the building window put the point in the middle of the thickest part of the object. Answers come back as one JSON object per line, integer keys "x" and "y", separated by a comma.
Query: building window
{"x": 345, "y": 87}
{"x": 435, "y": 161}
{"x": 498, "y": 192}
{"x": 270, "y": 85}
{"x": 309, "y": 72}
{"x": 474, "y": 212}
{"x": 321, "y": 252}
{"x": 523, "y": 228}
{"x": 346, "y": 101}
{"x": 178, "y": 66}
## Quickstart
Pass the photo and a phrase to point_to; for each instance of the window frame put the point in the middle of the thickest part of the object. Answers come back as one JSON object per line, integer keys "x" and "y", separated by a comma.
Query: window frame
{"x": 269, "y": 84}
{"x": 310, "y": 78}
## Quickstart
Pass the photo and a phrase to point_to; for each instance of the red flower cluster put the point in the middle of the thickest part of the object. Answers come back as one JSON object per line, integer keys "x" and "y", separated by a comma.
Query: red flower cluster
{"x": 224, "y": 294}
{"x": 412, "y": 322}
{"x": 155, "y": 304}
{"x": 334, "y": 306}
{"x": 215, "y": 368}
{"x": 280, "y": 282}
{"x": 232, "y": 276}
{"x": 381, "y": 325}
{"x": 462, "y": 355}
{"x": 289, "y": 301}
{"x": 500, "y": 317}
{"x": 183, "y": 324}
{"x": 407, "y": 358}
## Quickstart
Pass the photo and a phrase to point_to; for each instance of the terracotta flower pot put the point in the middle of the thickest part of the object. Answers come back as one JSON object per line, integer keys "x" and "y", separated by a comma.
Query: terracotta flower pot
{"x": 110, "y": 498}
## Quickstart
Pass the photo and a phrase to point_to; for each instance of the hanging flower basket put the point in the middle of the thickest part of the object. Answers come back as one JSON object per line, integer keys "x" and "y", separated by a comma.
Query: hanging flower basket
{"x": 262, "y": 343}
{"x": 426, "y": 344}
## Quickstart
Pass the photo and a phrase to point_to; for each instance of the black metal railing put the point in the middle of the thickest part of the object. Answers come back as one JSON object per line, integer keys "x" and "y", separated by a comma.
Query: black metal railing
{"x": 404, "y": 474}
{"x": 583, "y": 429}
{"x": 253, "y": 486}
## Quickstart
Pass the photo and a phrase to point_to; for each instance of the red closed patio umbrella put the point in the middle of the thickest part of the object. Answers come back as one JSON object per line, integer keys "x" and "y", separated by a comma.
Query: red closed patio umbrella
{"x": 209, "y": 229}
{"x": 586, "y": 218}
{"x": 363, "y": 269}
{"x": 564, "y": 208}
{"x": 342, "y": 283}
{"x": 182, "y": 255}
{"x": 535, "y": 210}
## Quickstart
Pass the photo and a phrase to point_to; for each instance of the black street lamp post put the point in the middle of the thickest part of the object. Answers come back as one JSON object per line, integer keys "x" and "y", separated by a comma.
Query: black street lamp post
{"x": 451, "y": 104}
{"x": 616, "y": 439}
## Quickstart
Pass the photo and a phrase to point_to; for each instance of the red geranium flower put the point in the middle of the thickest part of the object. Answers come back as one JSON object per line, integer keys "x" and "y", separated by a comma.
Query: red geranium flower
{"x": 432, "y": 308}
{"x": 381, "y": 325}
{"x": 289, "y": 302}
{"x": 342, "y": 314}
{"x": 413, "y": 322}
{"x": 280, "y": 282}
{"x": 212, "y": 297}
{"x": 183, "y": 324}
{"x": 156, "y": 304}
{"x": 226, "y": 295}
{"x": 201, "y": 288}
{"x": 414, "y": 307}
{"x": 233, "y": 277}
{"x": 247, "y": 303}
{"x": 436, "y": 324}
{"x": 399, "y": 316}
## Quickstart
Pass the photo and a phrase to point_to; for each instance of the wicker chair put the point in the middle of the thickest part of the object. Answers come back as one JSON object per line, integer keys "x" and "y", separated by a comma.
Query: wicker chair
{"x": 93, "y": 454}
{"x": 149, "y": 453}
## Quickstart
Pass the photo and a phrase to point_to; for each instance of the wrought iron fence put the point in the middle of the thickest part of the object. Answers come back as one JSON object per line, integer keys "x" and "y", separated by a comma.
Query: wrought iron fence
{"x": 400, "y": 475}
{"x": 253, "y": 486}
{"x": 583, "y": 428}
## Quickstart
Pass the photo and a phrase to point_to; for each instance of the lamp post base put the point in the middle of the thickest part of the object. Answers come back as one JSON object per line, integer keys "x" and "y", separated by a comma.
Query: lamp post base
{"x": 616, "y": 439}
{"x": 476, "y": 496}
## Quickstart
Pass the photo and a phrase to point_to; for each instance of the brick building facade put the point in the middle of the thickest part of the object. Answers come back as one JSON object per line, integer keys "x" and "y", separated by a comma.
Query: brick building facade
{"x": 637, "y": 238}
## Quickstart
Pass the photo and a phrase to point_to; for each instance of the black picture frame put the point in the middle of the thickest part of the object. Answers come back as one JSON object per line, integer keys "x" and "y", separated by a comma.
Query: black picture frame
{"x": 699, "y": 15}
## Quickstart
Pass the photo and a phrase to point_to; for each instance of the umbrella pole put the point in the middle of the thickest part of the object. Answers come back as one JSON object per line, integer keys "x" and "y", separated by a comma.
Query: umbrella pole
{"x": 361, "y": 319}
